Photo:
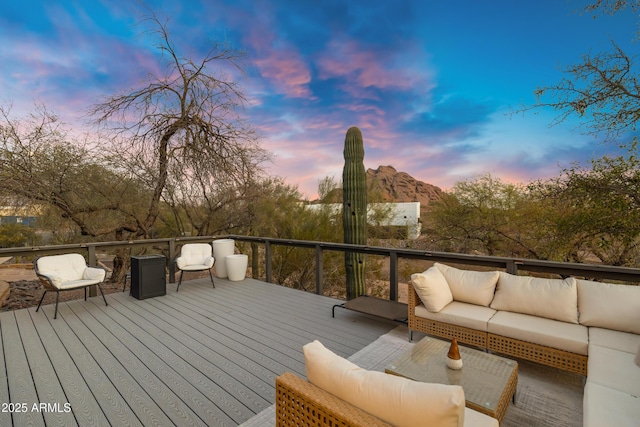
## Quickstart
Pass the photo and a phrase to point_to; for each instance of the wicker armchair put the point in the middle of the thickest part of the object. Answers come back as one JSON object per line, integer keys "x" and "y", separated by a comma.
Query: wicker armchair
{"x": 195, "y": 257}
{"x": 67, "y": 272}
{"x": 300, "y": 403}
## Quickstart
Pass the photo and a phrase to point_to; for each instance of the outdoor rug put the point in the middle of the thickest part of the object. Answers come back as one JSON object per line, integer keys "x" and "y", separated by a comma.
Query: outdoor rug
{"x": 545, "y": 397}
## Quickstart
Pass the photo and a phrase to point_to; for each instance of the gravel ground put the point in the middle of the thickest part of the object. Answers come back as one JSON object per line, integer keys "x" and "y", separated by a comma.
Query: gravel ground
{"x": 27, "y": 293}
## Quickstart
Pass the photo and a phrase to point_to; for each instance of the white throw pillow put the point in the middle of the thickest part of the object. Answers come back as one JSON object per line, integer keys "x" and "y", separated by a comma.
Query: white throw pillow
{"x": 551, "y": 298}
{"x": 473, "y": 287}
{"x": 396, "y": 400}
{"x": 609, "y": 306}
{"x": 432, "y": 288}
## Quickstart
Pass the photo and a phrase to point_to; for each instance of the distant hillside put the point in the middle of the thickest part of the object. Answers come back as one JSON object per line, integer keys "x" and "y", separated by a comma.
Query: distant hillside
{"x": 390, "y": 185}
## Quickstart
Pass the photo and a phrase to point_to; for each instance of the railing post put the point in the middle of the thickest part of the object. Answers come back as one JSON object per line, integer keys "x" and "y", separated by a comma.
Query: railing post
{"x": 93, "y": 262}
{"x": 172, "y": 265}
{"x": 319, "y": 269}
{"x": 512, "y": 267}
{"x": 267, "y": 260}
{"x": 393, "y": 276}
{"x": 255, "y": 264}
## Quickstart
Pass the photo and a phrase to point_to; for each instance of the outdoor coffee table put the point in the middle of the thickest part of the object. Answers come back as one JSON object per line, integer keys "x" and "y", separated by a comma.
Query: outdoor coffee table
{"x": 489, "y": 381}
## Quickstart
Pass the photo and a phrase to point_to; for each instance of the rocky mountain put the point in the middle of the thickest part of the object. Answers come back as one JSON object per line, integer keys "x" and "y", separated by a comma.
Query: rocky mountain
{"x": 390, "y": 185}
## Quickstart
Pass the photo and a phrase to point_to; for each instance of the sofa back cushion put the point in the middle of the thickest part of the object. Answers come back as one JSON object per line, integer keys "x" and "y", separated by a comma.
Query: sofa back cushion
{"x": 432, "y": 288}
{"x": 396, "y": 400}
{"x": 609, "y": 306}
{"x": 473, "y": 287}
{"x": 551, "y": 298}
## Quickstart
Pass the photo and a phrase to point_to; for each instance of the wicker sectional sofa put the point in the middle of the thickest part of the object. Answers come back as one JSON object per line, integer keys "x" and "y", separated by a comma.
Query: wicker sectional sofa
{"x": 576, "y": 325}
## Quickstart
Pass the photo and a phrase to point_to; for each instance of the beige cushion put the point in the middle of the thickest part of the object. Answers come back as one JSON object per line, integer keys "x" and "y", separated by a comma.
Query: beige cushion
{"x": 623, "y": 341}
{"x": 604, "y": 406}
{"x": 460, "y": 314}
{"x": 550, "y": 298}
{"x": 432, "y": 288}
{"x": 614, "y": 369}
{"x": 540, "y": 330}
{"x": 476, "y": 419}
{"x": 195, "y": 257}
{"x": 610, "y": 306}
{"x": 474, "y": 287}
{"x": 396, "y": 400}
{"x": 637, "y": 359}
{"x": 69, "y": 271}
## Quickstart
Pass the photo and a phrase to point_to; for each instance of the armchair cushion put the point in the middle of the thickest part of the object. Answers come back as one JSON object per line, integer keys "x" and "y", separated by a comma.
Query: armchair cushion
{"x": 92, "y": 273}
{"x": 550, "y": 298}
{"x": 55, "y": 279}
{"x": 195, "y": 256}
{"x": 432, "y": 288}
{"x": 474, "y": 287}
{"x": 68, "y": 271}
{"x": 396, "y": 400}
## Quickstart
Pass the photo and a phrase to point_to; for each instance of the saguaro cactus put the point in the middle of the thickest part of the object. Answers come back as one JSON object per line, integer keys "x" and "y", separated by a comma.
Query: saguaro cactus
{"x": 354, "y": 210}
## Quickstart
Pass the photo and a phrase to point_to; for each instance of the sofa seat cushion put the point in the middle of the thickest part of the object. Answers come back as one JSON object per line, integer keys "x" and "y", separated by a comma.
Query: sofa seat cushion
{"x": 432, "y": 288}
{"x": 82, "y": 283}
{"x": 614, "y": 369}
{"x": 477, "y": 419}
{"x": 474, "y": 287}
{"x": 604, "y": 406}
{"x": 605, "y": 305}
{"x": 551, "y": 298}
{"x": 198, "y": 267}
{"x": 460, "y": 314}
{"x": 622, "y": 341}
{"x": 396, "y": 400}
{"x": 540, "y": 330}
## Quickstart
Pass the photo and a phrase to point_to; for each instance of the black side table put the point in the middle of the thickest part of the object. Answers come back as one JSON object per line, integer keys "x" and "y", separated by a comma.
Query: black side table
{"x": 148, "y": 277}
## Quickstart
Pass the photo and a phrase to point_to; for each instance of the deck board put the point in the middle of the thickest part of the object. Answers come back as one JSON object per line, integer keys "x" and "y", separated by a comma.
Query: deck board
{"x": 5, "y": 416}
{"x": 45, "y": 378}
{"x": 22, "y": 389}
{"x": 202, "y": 356}
{"x": 75, "y": 387}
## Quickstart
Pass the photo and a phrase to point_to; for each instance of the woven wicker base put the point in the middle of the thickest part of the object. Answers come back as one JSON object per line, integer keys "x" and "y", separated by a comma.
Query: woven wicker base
{"x": 508, "y": 346}
{"x": 446, "y": 330}
{"x": 564, "y": 360}
{"x": 300, "y": 403}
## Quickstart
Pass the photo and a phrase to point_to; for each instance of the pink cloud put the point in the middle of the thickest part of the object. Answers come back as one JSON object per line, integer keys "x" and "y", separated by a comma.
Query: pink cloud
{"x": 278, "y": 61}
{"x": 286, "y": 71}
{"x": 370, "y": 69}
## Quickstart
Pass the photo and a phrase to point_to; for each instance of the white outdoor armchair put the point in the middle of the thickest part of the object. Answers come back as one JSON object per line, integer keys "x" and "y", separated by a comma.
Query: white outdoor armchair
{"x": 195, "y": 257}
{"x": 67, "y": 272}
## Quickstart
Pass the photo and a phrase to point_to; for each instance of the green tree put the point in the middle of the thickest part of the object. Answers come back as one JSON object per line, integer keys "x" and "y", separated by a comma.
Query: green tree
{"x": 598, "y": 210}
{"x": 14, "y": 235}
{"x": 42, "y": 164}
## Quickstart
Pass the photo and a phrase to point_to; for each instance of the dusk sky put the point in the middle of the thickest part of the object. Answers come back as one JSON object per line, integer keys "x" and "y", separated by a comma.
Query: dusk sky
{"x": 429, "y": 82}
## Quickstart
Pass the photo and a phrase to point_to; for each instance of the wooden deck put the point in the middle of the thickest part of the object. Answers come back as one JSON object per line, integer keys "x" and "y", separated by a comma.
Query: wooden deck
{"x": 202, "y": 357}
